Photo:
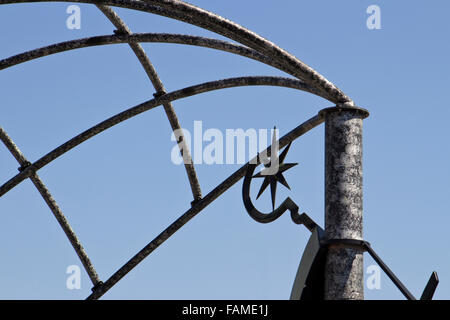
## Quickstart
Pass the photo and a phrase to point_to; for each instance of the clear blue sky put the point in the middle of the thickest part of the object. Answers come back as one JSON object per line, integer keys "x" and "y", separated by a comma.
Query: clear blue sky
{"x": 120, "y": 189}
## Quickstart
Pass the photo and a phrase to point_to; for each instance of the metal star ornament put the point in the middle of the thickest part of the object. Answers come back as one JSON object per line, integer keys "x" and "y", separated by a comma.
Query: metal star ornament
{"x": 273, "y": 175}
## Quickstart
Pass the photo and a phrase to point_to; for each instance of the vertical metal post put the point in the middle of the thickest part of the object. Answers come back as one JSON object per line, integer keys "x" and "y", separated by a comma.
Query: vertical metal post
{"x": 344, "y": 273}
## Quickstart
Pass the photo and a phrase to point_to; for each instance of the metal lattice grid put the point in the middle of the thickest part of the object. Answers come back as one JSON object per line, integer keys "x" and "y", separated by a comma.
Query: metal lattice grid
{"x": 251, "y": 46}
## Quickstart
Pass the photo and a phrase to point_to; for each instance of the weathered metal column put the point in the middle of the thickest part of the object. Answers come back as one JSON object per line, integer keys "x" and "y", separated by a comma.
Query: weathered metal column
{"x": 344, "y": 273}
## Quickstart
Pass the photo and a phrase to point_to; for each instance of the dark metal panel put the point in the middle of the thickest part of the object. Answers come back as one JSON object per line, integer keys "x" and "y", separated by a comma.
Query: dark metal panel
{"x": 430, "y": 288}
{"x": 309, "y": 280}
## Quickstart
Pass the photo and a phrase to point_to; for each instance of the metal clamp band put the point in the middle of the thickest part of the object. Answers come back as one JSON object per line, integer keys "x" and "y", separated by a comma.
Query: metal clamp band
{"x": 98, "y": 285}
{"x": 347, "y": 243}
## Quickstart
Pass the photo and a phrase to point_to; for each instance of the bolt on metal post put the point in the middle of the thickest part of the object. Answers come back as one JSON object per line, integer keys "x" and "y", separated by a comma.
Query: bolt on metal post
{"x": 344, "y": 273}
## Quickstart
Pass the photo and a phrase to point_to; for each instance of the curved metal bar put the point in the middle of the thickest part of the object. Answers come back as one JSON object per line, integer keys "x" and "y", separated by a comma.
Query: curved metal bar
{"x": 45, "y": 193}
{"x": 199, "y": 206}
{"x": 196, "y": 16}
{"x": 159, "y": 87}
{"x": 136, "y": 47}
{"x": 238, "y": 33}
{"x": 141, "y": 37}
{"x": 150, "y": 104}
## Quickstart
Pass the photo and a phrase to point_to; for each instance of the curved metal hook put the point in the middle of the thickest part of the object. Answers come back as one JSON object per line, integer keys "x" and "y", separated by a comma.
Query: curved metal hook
{"x": 288, "y": 203}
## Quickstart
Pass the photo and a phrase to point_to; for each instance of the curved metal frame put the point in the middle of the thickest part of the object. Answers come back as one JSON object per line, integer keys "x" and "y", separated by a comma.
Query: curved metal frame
{"x": 159, "y": 87}
{"x": 142, "y": 37}
{"x": 253, "y": 47}
{"x": 145, "y": 106}
{"x": 193, "y": 15}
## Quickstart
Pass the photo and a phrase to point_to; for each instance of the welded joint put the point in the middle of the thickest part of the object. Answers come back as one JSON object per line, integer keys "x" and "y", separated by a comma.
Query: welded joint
{"x": 121, "y": 34}
{"x": 159, "y": 94}
{"x": 24, "y": 165}
{"x": 97, "y": 286}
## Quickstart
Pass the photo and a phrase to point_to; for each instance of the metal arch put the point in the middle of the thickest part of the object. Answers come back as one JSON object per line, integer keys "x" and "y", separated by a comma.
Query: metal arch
{"x": 142, "y": 37}
{"x": 135, "y": 5}
{"x": 148, "y": 67}
{"x": 159, "y": 87}
{"x": 311, "y": 82}
{"x": 240, "y": 34}
{"x": 205, "y": 19}
{"x": 145, "y": 106}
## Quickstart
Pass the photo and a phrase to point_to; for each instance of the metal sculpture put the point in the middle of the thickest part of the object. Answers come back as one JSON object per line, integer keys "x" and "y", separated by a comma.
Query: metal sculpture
{"x": 343, "y": 123}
